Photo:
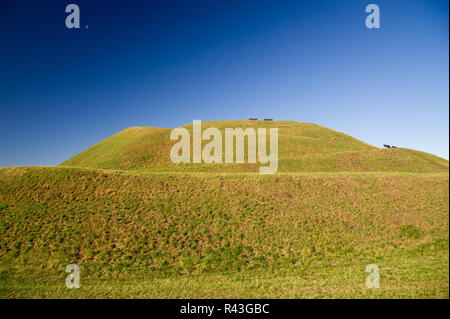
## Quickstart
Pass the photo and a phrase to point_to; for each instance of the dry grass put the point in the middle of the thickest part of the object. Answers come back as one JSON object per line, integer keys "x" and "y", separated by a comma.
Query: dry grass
{"x": 162, "y": 234}
{"x": 303, "y": 147}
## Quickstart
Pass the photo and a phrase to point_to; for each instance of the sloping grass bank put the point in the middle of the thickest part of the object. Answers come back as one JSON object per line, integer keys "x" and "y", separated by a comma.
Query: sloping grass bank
{"x": 303, "y": 147}
{"x": 241, "y": 235}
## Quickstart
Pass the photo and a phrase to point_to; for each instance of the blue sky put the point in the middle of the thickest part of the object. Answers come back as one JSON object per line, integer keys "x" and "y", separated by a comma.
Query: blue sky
{"x": 166, "y": 63}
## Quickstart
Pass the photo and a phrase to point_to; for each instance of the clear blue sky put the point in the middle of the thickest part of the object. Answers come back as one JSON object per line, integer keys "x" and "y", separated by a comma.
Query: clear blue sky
{"x": 166, "y": 63}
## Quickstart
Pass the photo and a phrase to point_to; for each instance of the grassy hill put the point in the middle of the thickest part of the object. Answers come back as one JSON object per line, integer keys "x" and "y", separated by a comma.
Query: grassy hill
{"x": 138, "y": 225}
{"x": 137, "y": 234}
{"x": 303, "y": 147}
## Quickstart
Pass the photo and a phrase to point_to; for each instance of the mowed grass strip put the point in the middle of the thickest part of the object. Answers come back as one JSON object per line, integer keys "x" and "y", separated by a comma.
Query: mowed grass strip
{"x": 231, "y": 235}
{"x": 420, "y": 276}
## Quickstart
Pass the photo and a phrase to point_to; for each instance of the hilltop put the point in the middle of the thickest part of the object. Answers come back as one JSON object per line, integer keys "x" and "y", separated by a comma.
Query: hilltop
{"x": 303, "y": 147}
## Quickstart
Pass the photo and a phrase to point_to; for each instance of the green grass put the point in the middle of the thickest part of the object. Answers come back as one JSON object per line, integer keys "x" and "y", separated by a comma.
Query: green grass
{"x": 167, "y": 234}
{"x": 139, "y": 226}
{"x": 303, "y": 147}
{"x": 402, "y": 276}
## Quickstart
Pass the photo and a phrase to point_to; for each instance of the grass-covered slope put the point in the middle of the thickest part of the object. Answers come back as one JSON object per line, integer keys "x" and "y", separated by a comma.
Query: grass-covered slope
{"x": 130, "y": 148}
{"x": 139, "y": 225}
{"x": 303, "y": 147}
{"x": 222, "y": 235}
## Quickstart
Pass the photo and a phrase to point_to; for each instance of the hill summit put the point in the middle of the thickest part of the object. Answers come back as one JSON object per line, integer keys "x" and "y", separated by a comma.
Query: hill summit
{"x": 303, "y": 147}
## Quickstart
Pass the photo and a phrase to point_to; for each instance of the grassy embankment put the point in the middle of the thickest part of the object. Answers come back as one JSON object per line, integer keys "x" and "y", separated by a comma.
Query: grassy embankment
{"x": 139, "y": 226}
{"x": 233, "y": 235}
{"x": 303, "y": 147}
